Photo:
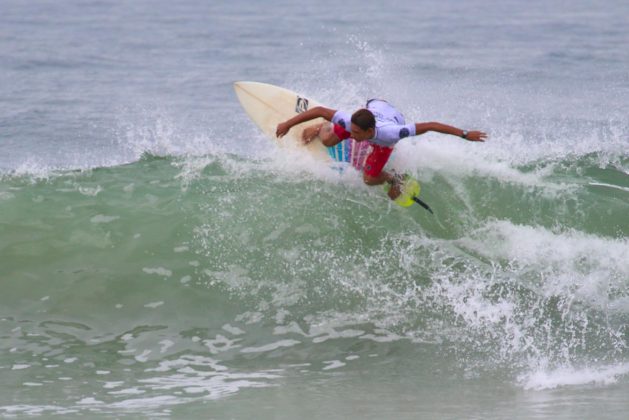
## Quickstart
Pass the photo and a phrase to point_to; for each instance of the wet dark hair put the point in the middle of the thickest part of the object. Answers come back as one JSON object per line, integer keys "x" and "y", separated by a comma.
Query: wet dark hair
{"x": 364, "y": 119}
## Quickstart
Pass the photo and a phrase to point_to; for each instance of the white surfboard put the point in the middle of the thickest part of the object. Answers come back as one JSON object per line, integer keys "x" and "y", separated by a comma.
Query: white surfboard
{"x": 268, "y": 105}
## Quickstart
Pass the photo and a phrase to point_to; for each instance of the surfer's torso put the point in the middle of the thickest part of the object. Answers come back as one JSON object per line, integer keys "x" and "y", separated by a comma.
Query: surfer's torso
{"x": 391, "y": 126}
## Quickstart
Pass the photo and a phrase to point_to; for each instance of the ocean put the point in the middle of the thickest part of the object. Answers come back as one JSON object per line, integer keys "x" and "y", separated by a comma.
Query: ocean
{"x": 159, "y": 257}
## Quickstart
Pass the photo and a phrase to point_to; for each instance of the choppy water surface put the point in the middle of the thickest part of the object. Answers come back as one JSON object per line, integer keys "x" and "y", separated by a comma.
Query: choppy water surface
{"x": 157, "y": 256}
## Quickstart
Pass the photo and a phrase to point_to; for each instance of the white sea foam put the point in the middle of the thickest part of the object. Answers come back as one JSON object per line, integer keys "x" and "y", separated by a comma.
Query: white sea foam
{"x": 36, "y": 410}
{"x": 382, "y": 336}
{"x": 166, "y": 344}
{"x": 5, "y": 195}
{"x": 101, "y": 218}
{"x": 332, "y": 334}
{"x": 202, "y": 376}
{"x": 291, "y": 165}
{"x": 89, "y": 401}
{"x": 157, "y": 133}
{"x": 270, "y": 346}
{"x": 221, "y": 344}
{"x": 233, "y": 330}
{"x": 128, "y": 391}
{"x": 89, "y": 191}
{"x": 160, "y": 271}
{"x": 143, "y": 357}
{"x": 113, "y": 384}
{"x": 333, "y": 364}
{"x": 188, "y": 360}
{"x": 34, "y": 167}
{"x": 587, "y": 266}
{"x": 235, "y": 276}
{"x": 149, "y": 402}
{"x": 463, "y": 159}
{"x": 602, "y": 184}
{"x": 564, "y": 377}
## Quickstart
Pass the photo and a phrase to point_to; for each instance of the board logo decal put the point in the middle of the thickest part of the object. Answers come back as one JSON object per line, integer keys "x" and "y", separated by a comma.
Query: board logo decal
{"x": 301, "y": 105}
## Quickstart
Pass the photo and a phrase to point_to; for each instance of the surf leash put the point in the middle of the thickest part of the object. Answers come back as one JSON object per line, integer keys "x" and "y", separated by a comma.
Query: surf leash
{"x": 421, "y": 203}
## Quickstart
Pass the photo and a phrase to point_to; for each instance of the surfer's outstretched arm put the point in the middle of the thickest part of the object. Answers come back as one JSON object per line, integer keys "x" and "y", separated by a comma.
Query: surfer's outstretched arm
{"x": 421, "y": 128}
{"x": 311, "y": 114}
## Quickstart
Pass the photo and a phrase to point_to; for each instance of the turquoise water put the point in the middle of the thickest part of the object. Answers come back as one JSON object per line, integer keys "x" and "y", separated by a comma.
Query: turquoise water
{"x": 159, "y": 257}
{"x": 180, "y": 285}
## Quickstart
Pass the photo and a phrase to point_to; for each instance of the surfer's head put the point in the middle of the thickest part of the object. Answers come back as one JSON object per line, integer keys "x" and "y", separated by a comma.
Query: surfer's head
{"x": 363, "y": 125}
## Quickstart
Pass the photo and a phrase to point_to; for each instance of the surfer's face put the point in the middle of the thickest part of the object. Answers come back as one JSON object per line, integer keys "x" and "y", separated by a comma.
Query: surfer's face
{"x": 359, "y": 134}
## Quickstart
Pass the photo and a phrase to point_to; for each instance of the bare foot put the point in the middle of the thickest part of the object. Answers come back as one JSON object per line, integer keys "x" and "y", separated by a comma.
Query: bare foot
{"x": 394, "y": 191}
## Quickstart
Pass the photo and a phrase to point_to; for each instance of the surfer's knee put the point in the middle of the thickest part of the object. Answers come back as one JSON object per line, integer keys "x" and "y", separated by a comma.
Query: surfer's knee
{"x": 329, "y": 141}
{"x": 371, "y": 180}
{"x": 327, "y": 135}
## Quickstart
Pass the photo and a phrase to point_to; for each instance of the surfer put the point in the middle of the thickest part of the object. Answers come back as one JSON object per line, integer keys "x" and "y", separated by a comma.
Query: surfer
{"x": 380, "y": 124}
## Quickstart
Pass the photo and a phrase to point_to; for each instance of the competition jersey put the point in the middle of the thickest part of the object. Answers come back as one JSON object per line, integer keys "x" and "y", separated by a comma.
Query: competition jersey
{"x": 390, "y": 124}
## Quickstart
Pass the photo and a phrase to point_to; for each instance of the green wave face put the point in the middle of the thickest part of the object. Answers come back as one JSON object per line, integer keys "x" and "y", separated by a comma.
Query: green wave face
{"x": 235, "y": 268}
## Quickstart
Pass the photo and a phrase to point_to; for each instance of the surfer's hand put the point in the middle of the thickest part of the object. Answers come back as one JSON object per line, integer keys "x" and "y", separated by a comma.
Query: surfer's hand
{"x": 282, "y": 129}
{"x": 476, "y": 136}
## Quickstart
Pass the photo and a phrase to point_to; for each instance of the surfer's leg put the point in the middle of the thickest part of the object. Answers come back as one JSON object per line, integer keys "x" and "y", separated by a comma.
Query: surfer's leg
{"x": 324, "y": 131}
{"x": 328, "y": 136}
{"x": 383, "y": 177}
{"x": 372, "y": 171}
{"x": 310, "y": 133}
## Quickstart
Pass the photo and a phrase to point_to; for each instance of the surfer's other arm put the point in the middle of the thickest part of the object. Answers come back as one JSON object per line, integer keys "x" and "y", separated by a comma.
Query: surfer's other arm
{"x": 421, "y": 128}
{"x": 311, "y": 114}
